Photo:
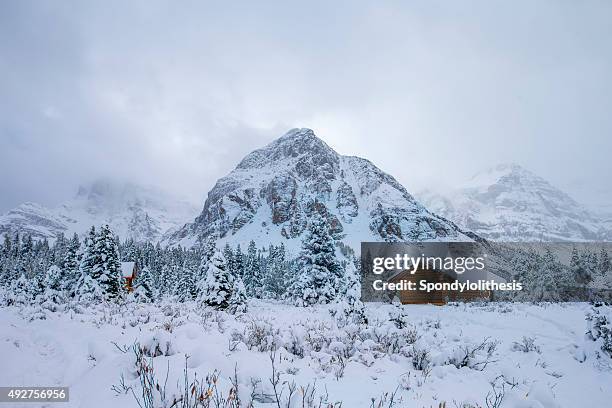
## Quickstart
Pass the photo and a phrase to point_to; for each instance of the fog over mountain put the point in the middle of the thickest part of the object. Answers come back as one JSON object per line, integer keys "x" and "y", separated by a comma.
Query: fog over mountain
{"x": 133, "y": 212}
{"x": 274, "y": 190}
{"x": 509, "y": 203}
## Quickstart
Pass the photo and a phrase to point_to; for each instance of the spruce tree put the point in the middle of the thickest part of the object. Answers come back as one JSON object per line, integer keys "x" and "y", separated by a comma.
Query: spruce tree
{"x": 185, "y": 289}
{"x": 238, "y": 262}
{"x": 89, "y": 257}
{"x": 59, "y": 250}
{"x": 238, "y": 299}
{"x": 20, "y": 256}
{"x": 549, "y": 283}
{"x": 604, "y": 266}
{"x": 54, "y": 278}
{"x": 6, "y": 266}
{"x": 275, "y": 278}
{"x": 320, "y": 274}
{"x": 54, "y": 291}
{"x": 165, "y": 279}
{"x": 350, "y": 306}
{"x": 89, "y": 290}
{"x": 107, "y": 271}
{"x": 253, "y": 280}
{"x": 229, "y": 258}
{"x": 143, "y": 285}
{"x": 20, "y": 291}
{"x": 70, "y": 264}
{"x": 216, "y": 286}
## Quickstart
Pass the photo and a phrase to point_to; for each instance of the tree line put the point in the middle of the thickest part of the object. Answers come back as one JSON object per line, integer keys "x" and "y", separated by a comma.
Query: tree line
{"x": 88, "y": 269}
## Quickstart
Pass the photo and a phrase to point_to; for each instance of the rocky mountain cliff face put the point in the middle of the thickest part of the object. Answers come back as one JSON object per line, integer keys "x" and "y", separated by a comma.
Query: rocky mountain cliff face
{"x": 272, "y": 192}
{"x": 132, "y": 211}
{"x": 509, "y": 203}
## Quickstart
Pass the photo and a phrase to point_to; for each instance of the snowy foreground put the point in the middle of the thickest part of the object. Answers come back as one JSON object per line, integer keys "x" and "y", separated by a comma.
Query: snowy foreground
{"x": 460, "y": 355}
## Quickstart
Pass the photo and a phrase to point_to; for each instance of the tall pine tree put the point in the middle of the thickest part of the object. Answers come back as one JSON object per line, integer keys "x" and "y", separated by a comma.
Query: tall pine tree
{"x": 108, "y": 270}
{"x": 320, "y": 273}
{"x": 252, "y": 275}
{"x": 216, "y": 286}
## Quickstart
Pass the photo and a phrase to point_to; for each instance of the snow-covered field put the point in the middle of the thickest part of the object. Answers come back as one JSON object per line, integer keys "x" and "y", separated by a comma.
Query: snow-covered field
{"x": 460, "y": 355}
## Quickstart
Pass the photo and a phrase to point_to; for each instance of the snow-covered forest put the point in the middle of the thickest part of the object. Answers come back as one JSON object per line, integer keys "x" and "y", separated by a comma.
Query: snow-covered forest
{"x": 240, "y": 327}
{"x": 90, "y": 270}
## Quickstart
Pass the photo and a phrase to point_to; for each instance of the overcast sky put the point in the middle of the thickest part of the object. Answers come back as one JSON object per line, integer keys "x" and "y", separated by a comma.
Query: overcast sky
{"x": 174, "y": 94}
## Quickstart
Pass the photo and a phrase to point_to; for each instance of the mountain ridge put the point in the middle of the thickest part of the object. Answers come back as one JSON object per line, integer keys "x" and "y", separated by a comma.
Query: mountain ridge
{"x": 510, "y": 203}
{"x": 132, "y": 211}
{"x": 272, "y": 191}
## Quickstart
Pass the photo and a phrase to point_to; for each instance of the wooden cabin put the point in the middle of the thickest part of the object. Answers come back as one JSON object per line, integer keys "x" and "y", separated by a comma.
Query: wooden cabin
{"x": 129, "y": 271}
{"x": 436, "y": 297}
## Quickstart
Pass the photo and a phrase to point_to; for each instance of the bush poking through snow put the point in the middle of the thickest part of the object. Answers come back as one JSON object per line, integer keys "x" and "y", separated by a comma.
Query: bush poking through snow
{"x": 193, "y": 393}
{"x": 420, "y": 358}
{"x": 257, "y": 334}
{"x": 399, "y": 316}
{"x": 599, "y": 328}
{"x": 495, "y": 397}
{"x": 475, "y": 356}
{"x": 159, "y": 344}
{"x": 526, "y": 345}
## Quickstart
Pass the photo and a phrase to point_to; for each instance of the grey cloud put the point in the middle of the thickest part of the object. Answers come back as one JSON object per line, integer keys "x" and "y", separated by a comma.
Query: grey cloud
{"x": 174, "y": 94}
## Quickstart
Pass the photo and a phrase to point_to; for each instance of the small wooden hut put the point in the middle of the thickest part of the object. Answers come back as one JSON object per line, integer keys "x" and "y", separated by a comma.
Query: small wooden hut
{"x": 129, "y": 272}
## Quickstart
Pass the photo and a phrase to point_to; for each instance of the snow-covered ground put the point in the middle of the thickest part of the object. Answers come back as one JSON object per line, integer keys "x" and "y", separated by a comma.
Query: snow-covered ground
{"x": 462, "y": 355}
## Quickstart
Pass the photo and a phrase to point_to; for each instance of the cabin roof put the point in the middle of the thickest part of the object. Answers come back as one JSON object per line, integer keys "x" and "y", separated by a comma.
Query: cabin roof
{"x": 127, "y": 269}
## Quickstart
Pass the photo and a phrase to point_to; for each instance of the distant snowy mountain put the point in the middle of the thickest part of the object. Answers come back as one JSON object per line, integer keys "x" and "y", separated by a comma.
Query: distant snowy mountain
{"x": 269, "y": 196}
{"x": 509, "y": 203}
{"x": 140, "y": 213}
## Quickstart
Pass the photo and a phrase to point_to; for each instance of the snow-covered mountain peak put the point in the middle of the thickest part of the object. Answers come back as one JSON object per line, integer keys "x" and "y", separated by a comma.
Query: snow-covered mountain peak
{"x": 502, "y": 173}
{"x": 293, "y": 146}
{"x": 271, "y": 194}
{"x": 132, "y": 211}
{"x": 508, "y": 202}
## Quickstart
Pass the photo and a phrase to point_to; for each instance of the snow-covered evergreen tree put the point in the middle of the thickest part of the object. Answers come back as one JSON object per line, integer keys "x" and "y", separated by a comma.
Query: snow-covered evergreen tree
{"x": 591, "y": 266}
{"x": 89, "y": 258}
{"x": 20, "y": 292}
{"x": 320, "y": 274}
{"x": 238, "y": 299}
{"x": 89, "y": 290}
{"x": 54, "y": 278}
{"x": 275, "y": 279}
{"x": 58, "y": 252}
{"x": 143, "y": 284}
{"x": 229, "y": 258}
{"x": 164, "y": 286}
{"x": 53, "y": 293}
{"x": 107, "y": 270}
{"x": 602, "y": 280}
{"x": 21, "y": 257}
{"x": 253, "y": 280}
{"x": 604, "y": 267}
{"x": 238, "y": 269}
{"x": 549, "y": 282}
{"x": 216, "y": 286}
{"x": 70, "y": 264}
{"x": 350, "y": 308}
{"x": 6, "y": 265}
{"x": 185, "y": 289}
